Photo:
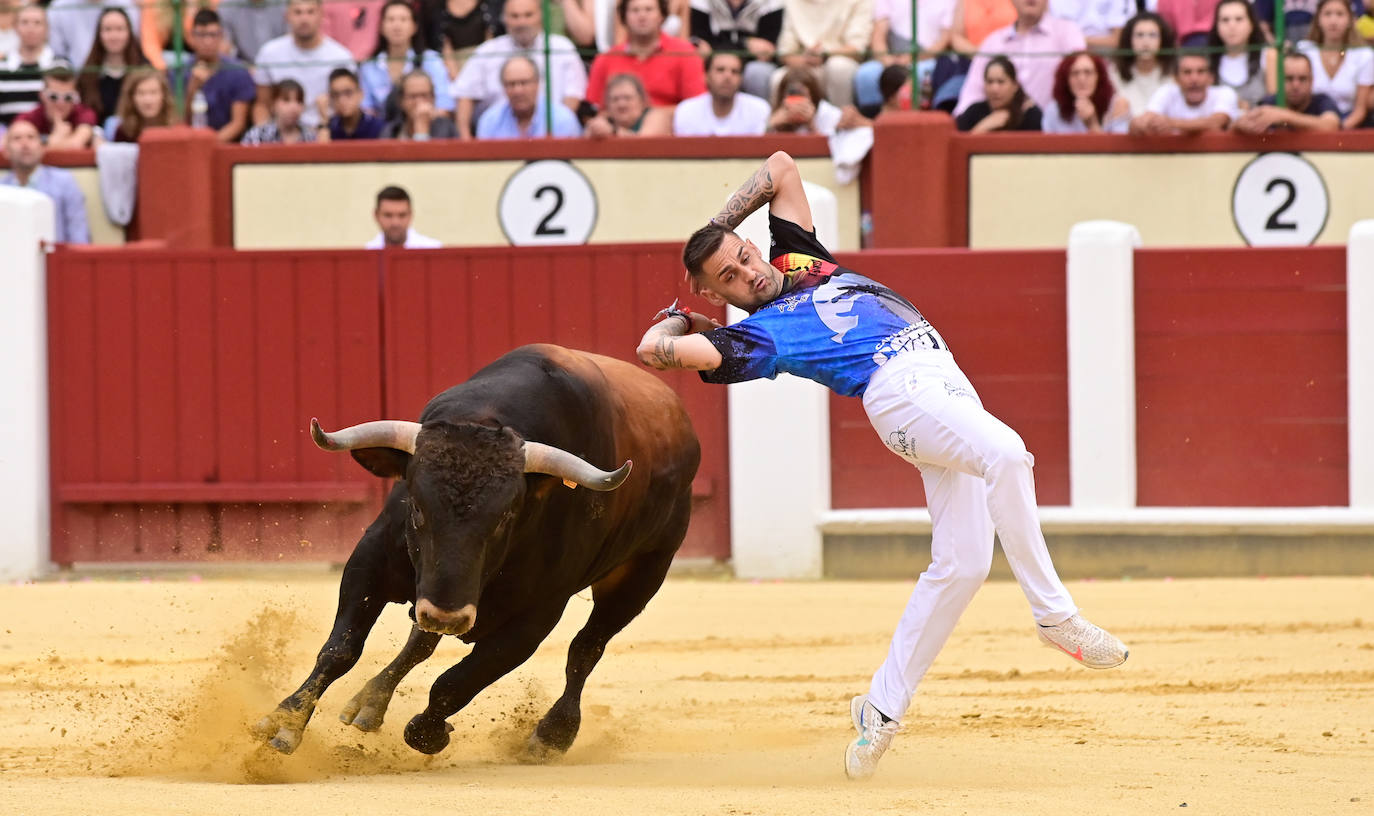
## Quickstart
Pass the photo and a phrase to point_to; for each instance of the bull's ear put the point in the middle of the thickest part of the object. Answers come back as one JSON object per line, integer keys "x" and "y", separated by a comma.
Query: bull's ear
{"x": 388, "y": 463}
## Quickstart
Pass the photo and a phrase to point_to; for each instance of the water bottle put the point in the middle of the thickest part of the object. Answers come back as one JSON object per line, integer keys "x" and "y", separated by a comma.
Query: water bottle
{"x": 200, "y": 110}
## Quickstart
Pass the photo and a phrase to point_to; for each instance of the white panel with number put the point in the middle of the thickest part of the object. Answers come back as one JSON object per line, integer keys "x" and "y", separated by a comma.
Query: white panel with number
{"x": 1280, "y": 200}
{"x": 547, "y": 202}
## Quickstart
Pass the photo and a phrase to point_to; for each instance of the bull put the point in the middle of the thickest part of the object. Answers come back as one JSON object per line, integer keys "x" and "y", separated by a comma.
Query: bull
{"x": 503, "y": 512}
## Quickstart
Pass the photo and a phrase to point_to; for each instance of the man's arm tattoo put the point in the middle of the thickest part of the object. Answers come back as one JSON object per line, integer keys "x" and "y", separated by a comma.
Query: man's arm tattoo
{"x": 663, "y": 355}
{"x": 754, "y": 193}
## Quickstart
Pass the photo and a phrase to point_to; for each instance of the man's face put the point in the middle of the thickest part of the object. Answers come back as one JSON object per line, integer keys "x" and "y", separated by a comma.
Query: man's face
{"x": 59, "y": 97}
{"x": 23, "y": 146}
{"x": 723, "y": 79}
{"x": 523, "y": 20}
{"x": 415, "y": 91}
{"x": 206, "y": 41}
{"x": 32, "y": 27}
{"x": 1297, "y": 83}
{"x": 643, "y": 18}
{"x": 1029, "y": 10}
{"x": 737, "y": 274}
{"x": 394, "y": 219}
{"x": 1194, "y": 78}
{"x": 521, "y": 83}
{"x": 303, "y": 18}
{"x": 345, "y": 97}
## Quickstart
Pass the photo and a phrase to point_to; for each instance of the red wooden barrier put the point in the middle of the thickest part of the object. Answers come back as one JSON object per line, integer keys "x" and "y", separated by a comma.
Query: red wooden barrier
{"x": 182, "y": 383}
{"x": 1003, "y": 314}
{"x": 180, "y": 388}
{"x": 449, "y": 312}
{"x": 1241, "y": 377}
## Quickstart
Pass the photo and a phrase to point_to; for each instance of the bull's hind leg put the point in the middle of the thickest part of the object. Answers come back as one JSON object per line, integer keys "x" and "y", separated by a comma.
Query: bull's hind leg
{"x": 368, "y": 707}
{"x": 361, "y": 599}
{"x": 618, "y": 598}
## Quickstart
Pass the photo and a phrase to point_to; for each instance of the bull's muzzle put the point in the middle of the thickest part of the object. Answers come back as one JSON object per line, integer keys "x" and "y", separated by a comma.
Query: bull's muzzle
{"x": 431, "y": 618}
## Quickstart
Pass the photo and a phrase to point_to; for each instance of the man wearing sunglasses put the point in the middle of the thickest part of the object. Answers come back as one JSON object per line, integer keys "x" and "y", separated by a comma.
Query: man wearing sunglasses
{"x": 61, "y": 120}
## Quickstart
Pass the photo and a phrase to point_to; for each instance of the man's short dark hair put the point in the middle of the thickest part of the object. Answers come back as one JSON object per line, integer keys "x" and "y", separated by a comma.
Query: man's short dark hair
{"x": 1293, "y": 53}
{"x": 699, "y": 248}
{"x": 60, "y": 70}
{"x": 622, "y": 5}
{"x": 392, "y": 193}
{"x": 206, "y": 17}
{"x": 343, "y": 72}
{"x": 891, "y": 80}
{"x": 1192, "y": 52}
{"x": 711, "y": 58}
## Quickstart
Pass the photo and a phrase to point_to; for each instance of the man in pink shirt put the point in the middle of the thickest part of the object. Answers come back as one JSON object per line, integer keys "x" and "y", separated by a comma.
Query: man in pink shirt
{"x": 670, "y": 68}
{"x": 1034, "y": 43}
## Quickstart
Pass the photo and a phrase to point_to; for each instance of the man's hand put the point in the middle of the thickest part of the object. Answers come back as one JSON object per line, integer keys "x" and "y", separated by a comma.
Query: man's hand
{"x": 667, "y": 345}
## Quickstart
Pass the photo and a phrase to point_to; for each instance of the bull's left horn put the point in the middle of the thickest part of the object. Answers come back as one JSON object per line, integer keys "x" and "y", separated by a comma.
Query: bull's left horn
{"x": 383, "y": 433}
{"x": 541, "y": 458}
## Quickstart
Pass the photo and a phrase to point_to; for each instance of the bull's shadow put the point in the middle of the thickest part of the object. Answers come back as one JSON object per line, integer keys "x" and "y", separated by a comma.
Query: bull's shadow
{"x": 501, "y": 514}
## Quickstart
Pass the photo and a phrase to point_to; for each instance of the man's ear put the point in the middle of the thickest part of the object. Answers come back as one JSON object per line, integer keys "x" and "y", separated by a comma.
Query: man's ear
{"x": 712, "y": 298}
{"x": 388, "y": 463}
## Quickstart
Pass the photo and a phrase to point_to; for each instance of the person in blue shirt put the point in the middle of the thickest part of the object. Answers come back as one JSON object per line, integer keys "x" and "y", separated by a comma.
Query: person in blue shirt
{"x": 811, "y": 317}
{"x": 400, "y": 50}
{"x": 24, "y": 149}
{"x": 227, "y": 85}
{"x": 1302, "y": 109}
{"x": 348, "y": 120}
{"x": 521, "y": 114}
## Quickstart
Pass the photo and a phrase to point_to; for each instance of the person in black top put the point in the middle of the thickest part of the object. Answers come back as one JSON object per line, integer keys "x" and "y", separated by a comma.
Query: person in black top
{"x": 455, "y": 27}
{"x": 1006, "y": 107}
{"x": 749, "y": 28}
{"x": 116, "y": 50}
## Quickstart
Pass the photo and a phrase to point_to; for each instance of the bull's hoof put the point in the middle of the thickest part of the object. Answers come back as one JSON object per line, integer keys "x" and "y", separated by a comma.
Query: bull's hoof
{"x": 427, "y": 734}
{"x": 554, "y": 734}
{"x": 538, "y": 752}
{"x": 367, "y": 709}
{"x": 281, "y": 730}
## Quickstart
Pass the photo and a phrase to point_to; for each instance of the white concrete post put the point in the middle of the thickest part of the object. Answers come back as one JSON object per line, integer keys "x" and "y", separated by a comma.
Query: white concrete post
{"x": 1359, "y": 309}
{"x": 1101, "y": 321}
{"x": 27, "y": 219}
{"x": 780, "y": 446}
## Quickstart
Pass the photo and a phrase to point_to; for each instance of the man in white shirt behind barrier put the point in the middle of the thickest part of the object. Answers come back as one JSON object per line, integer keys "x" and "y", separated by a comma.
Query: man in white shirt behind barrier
{"x": 1191, "y": 105}
{"x": 723, "y": 110}
{"x": 393, "y": 215}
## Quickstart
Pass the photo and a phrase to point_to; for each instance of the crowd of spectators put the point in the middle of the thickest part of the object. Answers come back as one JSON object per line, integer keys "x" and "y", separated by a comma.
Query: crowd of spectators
{"x": 285, "y": 71}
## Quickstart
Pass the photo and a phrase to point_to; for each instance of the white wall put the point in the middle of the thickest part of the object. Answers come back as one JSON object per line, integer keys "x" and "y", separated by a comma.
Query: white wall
{"x": 1359, "y": 293}
{"x": 26, "y": 222}
{"x": 780, "y": 446}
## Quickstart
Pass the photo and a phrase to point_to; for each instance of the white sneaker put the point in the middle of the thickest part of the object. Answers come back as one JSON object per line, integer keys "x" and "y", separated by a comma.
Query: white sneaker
{"x": 862, "y": 755}
{"x": 1085, "y": 642}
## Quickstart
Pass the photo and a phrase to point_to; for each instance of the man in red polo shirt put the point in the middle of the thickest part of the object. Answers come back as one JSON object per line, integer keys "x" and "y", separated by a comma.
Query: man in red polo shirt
{"x": 670, "y": 68}
{"x": 60, "y": 118}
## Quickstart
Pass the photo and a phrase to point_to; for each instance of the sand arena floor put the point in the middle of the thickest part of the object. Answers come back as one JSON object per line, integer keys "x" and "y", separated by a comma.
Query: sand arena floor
{"x": 725, "y": 697}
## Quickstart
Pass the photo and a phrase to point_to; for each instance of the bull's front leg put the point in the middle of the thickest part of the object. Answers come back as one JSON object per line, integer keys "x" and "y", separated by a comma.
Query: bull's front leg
{"x": 361, "y": 599}
{"x": 491, "y": 658}
{"x": 368, "y": 707}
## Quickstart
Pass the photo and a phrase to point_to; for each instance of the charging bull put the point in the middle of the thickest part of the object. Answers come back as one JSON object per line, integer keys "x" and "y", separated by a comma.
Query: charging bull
{"x": 502, "y": 512}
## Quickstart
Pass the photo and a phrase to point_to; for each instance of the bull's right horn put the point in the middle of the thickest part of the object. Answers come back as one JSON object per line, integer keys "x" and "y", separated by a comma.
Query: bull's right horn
{"x": 383, "y": 433}
{"x": 541, "y": 458}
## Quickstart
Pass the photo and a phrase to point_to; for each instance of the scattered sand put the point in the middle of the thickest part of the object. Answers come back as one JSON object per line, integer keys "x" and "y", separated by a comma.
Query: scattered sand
{"x": 1241, "y": 696}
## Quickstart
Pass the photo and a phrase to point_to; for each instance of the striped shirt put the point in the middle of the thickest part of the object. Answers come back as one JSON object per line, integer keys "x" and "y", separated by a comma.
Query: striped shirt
{"x": 20, "y": 83}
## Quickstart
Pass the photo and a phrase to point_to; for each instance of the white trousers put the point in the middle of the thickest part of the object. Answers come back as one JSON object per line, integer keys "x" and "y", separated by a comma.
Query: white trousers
{"x": 977, "y": 476}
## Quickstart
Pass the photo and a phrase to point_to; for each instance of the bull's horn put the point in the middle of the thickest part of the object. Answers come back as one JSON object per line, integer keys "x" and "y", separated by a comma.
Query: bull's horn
{"x": 541, "y": 458}
{"x": 383, "y": 433}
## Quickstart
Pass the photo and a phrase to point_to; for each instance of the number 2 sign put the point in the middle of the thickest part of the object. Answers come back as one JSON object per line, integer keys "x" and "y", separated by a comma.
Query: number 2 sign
{"x": 547, "y": 202}
{"x": 1280, "y": 200}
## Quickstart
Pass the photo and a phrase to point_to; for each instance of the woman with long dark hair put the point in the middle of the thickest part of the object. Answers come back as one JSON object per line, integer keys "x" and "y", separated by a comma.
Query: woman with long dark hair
{"x": 1236, "y": 46}
{"x": 1084, "y": 99}
{"x": 113, "y": 53}
{"x": 455, "y": 28}
{"x": 1006, "y": 107}
{"x": 1144, "y": 60}
{"x": 400, "y": 50}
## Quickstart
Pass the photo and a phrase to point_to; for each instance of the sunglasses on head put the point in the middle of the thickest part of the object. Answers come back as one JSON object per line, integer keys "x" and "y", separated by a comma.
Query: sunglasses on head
{"x": 63, "y": 96}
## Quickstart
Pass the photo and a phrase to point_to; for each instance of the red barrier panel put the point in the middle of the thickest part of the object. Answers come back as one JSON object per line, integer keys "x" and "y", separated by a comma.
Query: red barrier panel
{"x": 180, "y": 389}
{"x": 1241, "y": 377}
{"x": 449, "y": 312}
{"x": 1003, "y": 314}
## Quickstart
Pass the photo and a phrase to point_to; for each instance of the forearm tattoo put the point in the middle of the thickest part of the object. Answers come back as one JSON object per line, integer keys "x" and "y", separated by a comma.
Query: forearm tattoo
{"x": 659, "y": 349}
{"x": 754, "y": 193}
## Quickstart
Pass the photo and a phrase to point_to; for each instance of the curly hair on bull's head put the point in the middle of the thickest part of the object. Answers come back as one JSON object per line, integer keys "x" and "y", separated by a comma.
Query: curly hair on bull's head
{"x": 467, "y": 459}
